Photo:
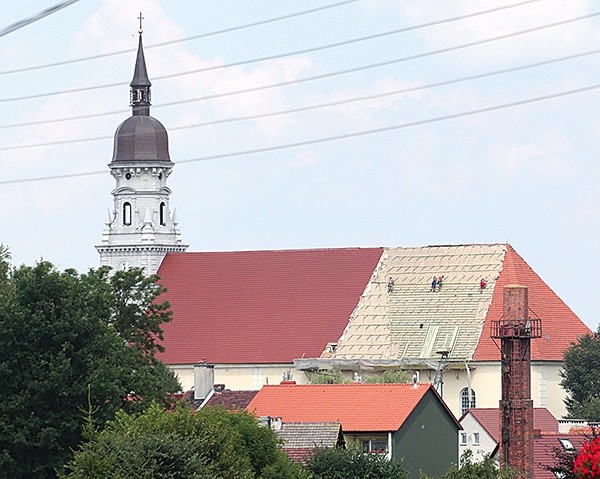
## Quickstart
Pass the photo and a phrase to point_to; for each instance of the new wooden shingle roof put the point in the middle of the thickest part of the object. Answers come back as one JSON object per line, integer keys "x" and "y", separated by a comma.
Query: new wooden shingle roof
{"x": 415, "y": 321}
{"x": 357, "y": 407}
{"x": 249, "y": 307}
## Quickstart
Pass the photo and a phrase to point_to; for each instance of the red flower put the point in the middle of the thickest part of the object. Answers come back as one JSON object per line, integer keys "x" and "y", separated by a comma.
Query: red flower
{"x": 587, "y": 462}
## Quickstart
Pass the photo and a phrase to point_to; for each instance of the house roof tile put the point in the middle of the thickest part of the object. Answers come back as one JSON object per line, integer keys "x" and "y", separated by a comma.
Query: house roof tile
{"x": 308, "y": 435}
{"x": 260, "y": 306}
{"x": 231, "y": 400}
{"x": 357, "y": 407}
{"x": 543, "y": 452}
{"x": 489, "y": 418}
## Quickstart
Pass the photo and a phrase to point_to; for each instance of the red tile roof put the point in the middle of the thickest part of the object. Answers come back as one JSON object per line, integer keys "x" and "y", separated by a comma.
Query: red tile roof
{"x": 489, "y": 418}
{"x": 357, "y": 407}
{"x": 231, "y": 400}
{"x": 543, "y": 448}
{"x": 260, "y": 306}
{"x": 560, "y": 325}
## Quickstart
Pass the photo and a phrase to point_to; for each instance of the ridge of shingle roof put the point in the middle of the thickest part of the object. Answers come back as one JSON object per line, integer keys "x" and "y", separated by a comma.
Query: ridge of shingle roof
{"x": 260, "y": 306}
{"x": 357, "y": 406}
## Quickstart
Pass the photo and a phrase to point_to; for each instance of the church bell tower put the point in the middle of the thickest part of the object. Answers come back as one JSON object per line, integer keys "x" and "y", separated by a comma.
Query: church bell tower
{"x": 141, "y": 229}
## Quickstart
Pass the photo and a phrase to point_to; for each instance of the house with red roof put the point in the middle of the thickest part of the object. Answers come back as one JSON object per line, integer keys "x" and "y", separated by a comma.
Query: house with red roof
{"x": 481, "y": 430}
{"x": 408, "y": 422}
{"x": 481, "y": 435}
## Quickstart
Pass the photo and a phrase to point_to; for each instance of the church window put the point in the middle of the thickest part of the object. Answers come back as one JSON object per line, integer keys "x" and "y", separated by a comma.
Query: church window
{"x": 162, "y": 214}
{"x": 464, "y": 400}
{"x": 127, "y": 214}
{"x": 127, "y": 176}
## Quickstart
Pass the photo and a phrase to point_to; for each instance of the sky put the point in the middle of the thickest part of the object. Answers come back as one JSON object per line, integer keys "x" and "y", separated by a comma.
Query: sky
{"x": 295, "y": 151}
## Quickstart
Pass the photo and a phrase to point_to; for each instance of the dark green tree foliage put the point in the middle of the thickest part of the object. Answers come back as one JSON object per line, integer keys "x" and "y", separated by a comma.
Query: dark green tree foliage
{"x": 338, "y": 463}
{"x": 183, "y": 444}
{"x": 581, "y": 378}
{"x": 486, "y": 469}
{"x": 65, "y": 336}
{"x": 390, "y": 376}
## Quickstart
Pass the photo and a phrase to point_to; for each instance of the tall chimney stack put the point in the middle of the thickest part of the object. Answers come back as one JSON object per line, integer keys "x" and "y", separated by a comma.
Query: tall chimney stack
{"x": 515, "y": 331}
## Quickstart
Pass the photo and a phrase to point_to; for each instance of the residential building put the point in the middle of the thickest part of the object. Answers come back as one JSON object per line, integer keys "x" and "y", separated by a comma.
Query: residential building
{"x": 408, "y": 422}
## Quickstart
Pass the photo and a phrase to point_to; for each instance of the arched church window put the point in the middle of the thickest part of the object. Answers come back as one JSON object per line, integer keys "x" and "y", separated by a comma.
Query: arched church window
{"x": 465, "y": 404}
{"x": 162, "y": 213}
{"x": 127, "y": 214}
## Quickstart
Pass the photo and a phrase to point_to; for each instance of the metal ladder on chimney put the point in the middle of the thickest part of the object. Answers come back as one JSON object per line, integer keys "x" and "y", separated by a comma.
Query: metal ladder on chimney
{"x": 438, "y": 380}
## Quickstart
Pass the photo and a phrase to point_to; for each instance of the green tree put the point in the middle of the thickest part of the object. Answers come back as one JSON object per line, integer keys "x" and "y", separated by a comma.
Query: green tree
{"x": 486, "y": 469}
{"x": 352, "y": 463}
{"x": 390, "y": 376}
{"x": 328, "y": 377}
{"x": 65, "y": 336}
{"x": 581, "y": 378}
{"x": 183, "y": 443}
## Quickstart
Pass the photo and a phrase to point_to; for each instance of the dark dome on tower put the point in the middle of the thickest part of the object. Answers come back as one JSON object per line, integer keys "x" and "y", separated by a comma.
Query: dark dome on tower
{"x": 141, "y": 138}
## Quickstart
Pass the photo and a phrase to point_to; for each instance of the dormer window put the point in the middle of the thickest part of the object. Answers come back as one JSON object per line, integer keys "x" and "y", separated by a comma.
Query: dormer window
{"x": 127, "y": 214}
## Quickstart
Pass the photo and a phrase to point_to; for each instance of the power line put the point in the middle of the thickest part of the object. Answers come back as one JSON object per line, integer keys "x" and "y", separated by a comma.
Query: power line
{"x": 180, "y": 40}
{"x": 246, "y": 62}
{"x": 337, "y": 137}
{"x": 300, "y": 80}
{"x": 285, "y": 17}
{"x": 38, "y": 16}
{"x": 321, "y": 105}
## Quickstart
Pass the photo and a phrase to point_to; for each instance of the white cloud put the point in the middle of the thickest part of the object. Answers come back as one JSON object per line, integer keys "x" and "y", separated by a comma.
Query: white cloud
{"x": 553, "y": 40}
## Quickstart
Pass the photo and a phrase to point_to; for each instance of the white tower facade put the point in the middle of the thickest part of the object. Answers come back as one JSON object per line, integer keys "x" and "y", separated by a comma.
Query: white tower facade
{"x": 141, "y": 229}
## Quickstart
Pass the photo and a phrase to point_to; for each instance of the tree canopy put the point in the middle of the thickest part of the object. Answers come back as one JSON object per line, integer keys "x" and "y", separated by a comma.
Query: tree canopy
{"x": 352, "y": 463}
{"x": 69, "y": 340}
{"x": 581, "y": 378}
{"x": 183, "y": 444}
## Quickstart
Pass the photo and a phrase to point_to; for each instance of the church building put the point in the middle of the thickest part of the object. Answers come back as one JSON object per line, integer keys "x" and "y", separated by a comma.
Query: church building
{"x": 250, "y": 318}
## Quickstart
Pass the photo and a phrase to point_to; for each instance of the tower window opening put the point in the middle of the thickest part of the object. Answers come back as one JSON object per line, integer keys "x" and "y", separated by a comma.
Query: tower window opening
{"x": 465, "y": 404}
{"x": 127, "y": 214}
{"x": 161, "y": 213}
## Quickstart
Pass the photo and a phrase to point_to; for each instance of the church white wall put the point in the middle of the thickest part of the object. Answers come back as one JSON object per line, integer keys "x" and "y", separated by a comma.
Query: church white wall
{"x": 486, "y": 382}
{"x": 242, "y": 376}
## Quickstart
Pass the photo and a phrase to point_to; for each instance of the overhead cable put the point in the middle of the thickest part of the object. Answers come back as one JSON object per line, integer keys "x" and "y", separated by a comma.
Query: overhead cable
{"x": 312, "y": 107}
{"x": 38, "y": 16}
{"x": 337, "y": 137}
{"x": 390, "y": 62}
{"x": 180, "y": 40}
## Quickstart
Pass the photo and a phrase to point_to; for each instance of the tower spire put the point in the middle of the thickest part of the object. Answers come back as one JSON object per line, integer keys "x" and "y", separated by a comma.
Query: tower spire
{"x": 140, "y": 85}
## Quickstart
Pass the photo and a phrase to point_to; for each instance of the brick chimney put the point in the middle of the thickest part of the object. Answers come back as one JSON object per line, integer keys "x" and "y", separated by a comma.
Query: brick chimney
{"x": 515, "y": 331}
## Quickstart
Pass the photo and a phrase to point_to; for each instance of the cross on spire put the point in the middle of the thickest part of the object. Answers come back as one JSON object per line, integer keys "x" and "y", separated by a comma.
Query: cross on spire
{"x": 140, "y": 19}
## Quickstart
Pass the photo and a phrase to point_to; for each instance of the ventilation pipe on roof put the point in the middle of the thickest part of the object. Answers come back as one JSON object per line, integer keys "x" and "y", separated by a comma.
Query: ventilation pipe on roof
{"x": 204, "y": 380}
